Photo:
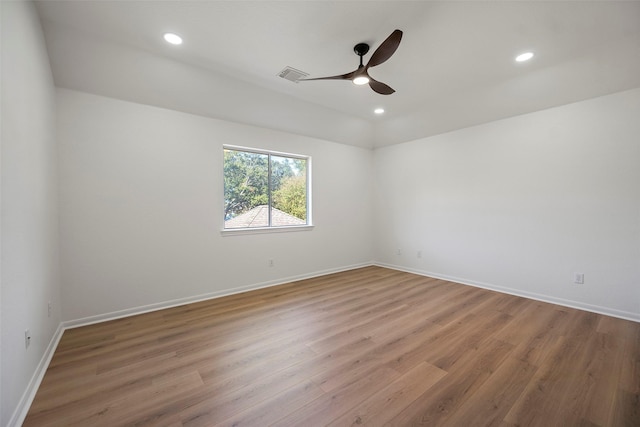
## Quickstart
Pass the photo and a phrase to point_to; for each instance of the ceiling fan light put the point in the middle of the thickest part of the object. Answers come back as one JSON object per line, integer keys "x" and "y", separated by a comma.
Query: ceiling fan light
{"x": 172, "y": 38}
{"x": 361, "y": 80}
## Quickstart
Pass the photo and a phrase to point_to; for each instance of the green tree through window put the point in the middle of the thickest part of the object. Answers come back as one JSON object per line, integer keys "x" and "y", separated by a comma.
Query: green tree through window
{"x": 264, "y": 189}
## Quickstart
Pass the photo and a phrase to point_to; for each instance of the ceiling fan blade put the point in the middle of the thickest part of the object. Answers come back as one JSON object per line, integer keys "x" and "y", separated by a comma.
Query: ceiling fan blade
{"x": 386, "y": 49}
{"x": 347, "y": 76}
{"x": 380, "y": 87}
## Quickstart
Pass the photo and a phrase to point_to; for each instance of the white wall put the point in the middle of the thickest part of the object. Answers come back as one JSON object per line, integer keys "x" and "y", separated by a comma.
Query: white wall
{"x": 141, "y": 198}
{"x": 29, "y": 262}
{"x": 518, "y": 205}
{"x": 522, "y": 203}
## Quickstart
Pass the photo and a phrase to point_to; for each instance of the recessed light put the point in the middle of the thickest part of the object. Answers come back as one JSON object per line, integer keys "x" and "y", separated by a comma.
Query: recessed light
{"x": 173, "y": 38}
{"x": 524, "y": 57}
{"x": 379, "y": 110}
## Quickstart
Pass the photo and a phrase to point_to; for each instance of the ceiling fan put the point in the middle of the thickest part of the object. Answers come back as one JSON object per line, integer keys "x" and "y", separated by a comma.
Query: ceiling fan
{"x": 361, "y": 75}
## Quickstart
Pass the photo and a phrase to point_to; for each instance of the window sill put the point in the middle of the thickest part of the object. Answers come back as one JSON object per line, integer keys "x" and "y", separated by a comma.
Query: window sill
{"x": 264, "y": 230}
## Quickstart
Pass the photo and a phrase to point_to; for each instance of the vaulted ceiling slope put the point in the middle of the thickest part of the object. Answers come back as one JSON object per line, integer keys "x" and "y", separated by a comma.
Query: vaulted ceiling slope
{"x": 454, "y": 68}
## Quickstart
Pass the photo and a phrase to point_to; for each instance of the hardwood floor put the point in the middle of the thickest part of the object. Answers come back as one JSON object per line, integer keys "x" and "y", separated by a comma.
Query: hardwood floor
{"x": 365, "y": 347}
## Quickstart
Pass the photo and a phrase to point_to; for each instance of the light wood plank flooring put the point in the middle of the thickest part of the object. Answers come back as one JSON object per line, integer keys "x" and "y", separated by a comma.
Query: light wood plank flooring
{"x": 370, "y": 347}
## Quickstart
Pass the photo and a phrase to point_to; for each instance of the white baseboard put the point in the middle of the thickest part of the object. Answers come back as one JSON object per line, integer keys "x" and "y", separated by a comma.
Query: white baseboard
{"x": 634, "y": 317}
{"x": 29, "y": 394}
{"x": 203, "y": 297}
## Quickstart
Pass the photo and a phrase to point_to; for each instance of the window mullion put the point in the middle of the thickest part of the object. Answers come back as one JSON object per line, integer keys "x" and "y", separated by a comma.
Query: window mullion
{"x": 269, "y": 188}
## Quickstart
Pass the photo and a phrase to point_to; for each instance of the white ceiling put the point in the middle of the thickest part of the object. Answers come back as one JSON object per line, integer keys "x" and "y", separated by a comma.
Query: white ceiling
{"x": 454, "y": 68}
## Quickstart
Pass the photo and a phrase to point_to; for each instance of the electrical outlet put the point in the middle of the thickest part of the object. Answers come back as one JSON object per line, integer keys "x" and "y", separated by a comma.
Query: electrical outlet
{"x": 271, "y": 263}
{"x": 399, "y": 252}
{"x": 27, "y": 338}
{"x": 578, "y": 278}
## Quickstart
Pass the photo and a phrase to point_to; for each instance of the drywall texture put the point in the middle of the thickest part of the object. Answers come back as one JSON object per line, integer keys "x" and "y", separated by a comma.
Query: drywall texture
{"x": 29, "y": 262}
{"x": 141, "y": 199}
{"x": 522, "y": 204}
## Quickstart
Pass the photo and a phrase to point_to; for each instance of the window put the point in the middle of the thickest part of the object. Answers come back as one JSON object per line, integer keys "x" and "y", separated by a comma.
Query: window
{"x": 264, "y": 189}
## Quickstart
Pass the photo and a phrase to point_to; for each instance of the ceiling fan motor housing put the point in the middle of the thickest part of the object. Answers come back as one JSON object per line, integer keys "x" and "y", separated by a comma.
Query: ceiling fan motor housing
{"x": 361, "y": 49}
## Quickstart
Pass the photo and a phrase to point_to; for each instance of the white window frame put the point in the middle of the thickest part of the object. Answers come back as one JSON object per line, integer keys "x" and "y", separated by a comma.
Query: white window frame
{"x": 270, "y": 229}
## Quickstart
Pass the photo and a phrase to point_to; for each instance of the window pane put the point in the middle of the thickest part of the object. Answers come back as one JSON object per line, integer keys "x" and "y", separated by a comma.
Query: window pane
{"x": 264, "y": 189}
{"x": 246, "y": 192}
{"x": 288, "y": 191}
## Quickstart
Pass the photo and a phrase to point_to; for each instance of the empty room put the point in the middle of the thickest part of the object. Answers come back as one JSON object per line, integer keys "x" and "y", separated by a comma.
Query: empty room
{"x": 312, "y": 213}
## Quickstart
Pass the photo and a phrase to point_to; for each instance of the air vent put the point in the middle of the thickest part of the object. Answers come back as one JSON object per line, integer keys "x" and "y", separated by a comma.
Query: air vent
{"x": 292, "y": 74}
